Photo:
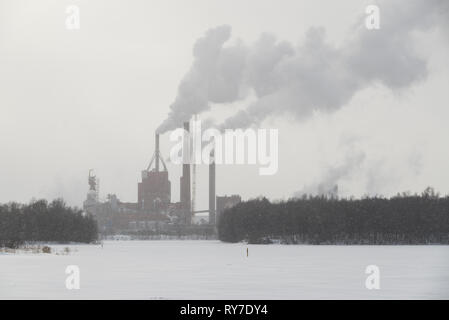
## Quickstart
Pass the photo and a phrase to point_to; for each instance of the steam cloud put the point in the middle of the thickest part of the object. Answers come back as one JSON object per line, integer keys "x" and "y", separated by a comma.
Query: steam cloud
{"x": 329, "y": 183}
{"x": 314, "y": 75}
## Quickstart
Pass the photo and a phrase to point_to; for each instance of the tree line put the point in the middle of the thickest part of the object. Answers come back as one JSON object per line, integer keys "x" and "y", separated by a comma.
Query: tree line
{"x": 403, "y": 219}
{"x": 46, "y": 222}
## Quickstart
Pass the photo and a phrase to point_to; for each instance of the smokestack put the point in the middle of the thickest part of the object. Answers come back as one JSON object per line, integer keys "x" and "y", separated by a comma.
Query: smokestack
{"x": 212, "y": 215}
{"x": 185, "y": 179}
{"x": 157, "y": 153}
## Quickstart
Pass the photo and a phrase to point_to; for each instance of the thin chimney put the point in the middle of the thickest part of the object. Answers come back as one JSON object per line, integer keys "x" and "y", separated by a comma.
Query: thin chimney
{"x": 212, "y": 215}
{"x": 185, "y": 179}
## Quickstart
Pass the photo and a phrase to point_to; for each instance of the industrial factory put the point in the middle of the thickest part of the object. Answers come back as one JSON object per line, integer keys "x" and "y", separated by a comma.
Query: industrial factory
{"x": 154, "y": 212}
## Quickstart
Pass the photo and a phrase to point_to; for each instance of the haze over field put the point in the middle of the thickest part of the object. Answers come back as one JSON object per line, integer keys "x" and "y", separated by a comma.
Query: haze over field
{"x": 362, "y": 109}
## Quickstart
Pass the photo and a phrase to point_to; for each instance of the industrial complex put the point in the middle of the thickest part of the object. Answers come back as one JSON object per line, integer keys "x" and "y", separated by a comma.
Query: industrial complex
{"x": 154, "y": 212}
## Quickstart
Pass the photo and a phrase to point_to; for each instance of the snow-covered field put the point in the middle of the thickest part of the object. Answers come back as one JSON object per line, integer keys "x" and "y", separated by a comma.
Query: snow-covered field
{"x": 215, "y": 270}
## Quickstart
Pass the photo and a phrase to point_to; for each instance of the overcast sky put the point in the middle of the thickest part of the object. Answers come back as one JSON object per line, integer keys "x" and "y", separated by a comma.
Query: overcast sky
{"x": 371, "y": 115}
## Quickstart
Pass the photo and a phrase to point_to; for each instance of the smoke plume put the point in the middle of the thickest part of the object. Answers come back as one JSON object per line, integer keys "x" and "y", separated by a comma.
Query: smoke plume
{"x": 296, "y": 80}
{"x": 328, "y": 185}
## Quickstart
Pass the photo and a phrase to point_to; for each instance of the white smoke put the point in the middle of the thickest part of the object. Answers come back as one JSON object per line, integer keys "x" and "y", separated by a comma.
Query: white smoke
{"x": 329, "y": 183}
{"x": 215, "y": 77}
{"x": 314, "y": 75}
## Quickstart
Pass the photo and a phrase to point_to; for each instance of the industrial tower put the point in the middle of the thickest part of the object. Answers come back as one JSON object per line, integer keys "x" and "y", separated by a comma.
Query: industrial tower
{"x": 154, "y": 192}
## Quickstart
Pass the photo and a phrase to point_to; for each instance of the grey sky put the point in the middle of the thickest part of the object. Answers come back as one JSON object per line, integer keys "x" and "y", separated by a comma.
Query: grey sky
{"x": 92, "y": 98}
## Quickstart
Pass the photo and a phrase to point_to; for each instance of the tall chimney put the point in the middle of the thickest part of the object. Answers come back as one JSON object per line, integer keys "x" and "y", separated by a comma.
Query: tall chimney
{"x": 185, "y": 179}
{"x": 212, "y": 215}
{"x": 157, "y": 153}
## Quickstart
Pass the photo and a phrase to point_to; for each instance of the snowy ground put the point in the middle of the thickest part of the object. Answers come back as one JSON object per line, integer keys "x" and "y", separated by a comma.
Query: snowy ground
{"x": 214, "y": 270}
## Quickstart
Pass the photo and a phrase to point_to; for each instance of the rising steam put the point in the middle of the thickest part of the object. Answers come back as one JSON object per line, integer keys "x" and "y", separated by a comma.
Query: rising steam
{"x": 314, "y": 75}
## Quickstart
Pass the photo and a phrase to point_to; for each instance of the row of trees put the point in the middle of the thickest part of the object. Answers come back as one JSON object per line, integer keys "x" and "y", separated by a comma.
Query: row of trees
{"x": 43, "y": 221}
{"x": 404, "y": 219}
